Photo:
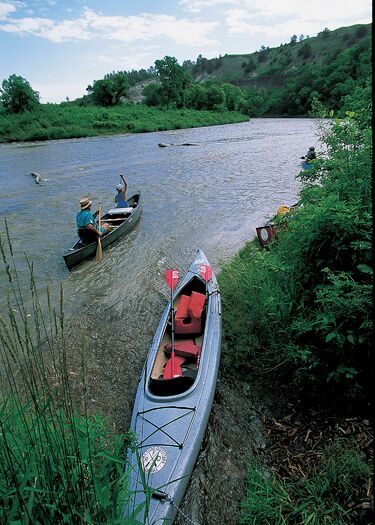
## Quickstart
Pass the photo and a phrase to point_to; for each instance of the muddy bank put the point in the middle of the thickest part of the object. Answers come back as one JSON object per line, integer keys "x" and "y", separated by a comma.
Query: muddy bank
{"x": 235, "y": 432}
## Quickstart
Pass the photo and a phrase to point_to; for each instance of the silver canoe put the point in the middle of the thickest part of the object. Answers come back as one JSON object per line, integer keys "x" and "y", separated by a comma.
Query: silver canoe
{"x": 170, "y": 415}
{"x": 120, "y": 223}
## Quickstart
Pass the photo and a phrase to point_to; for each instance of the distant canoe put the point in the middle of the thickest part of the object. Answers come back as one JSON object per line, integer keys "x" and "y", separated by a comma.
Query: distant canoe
{"x": 121, "y": 220}
{"x": 163, "y": 145}
{"x": 172, "y": 408}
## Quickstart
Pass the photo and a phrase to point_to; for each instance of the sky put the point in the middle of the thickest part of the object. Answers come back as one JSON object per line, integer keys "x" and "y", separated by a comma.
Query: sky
{"x": 62, "y": 46}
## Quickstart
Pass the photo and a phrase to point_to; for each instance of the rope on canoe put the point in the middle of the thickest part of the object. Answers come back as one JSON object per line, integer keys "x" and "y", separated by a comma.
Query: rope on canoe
{"x": 163, "y": 495}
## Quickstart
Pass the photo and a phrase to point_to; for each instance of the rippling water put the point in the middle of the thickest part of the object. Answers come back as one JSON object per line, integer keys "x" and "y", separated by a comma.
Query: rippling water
{"x": 211, "y": 195}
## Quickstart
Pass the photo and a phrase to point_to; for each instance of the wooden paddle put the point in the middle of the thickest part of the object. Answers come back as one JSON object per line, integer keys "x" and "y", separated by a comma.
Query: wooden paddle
{"x": 99, "y": 250}
{"x": 174, "y": 370}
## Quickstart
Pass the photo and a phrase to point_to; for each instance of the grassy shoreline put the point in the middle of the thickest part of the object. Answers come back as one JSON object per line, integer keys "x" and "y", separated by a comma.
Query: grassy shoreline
{"x": 64, "y": 121}
{"x": 298, "y": 318}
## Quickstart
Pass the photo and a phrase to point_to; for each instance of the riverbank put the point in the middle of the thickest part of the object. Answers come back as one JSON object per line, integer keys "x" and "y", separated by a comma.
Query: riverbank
{"x": 298, "y": 317}
{"x": 67, "y": 120}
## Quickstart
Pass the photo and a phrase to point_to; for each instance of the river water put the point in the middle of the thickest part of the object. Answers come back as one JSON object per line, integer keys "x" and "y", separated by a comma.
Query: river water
{"x": 210, "y": 195}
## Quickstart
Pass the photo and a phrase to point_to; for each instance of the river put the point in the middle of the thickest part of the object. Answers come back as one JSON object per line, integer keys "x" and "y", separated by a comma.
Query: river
{"x": 210, "y": 195}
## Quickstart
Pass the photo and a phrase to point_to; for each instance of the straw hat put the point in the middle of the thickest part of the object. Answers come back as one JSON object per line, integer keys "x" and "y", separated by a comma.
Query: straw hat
{"x": 85, "y": 203}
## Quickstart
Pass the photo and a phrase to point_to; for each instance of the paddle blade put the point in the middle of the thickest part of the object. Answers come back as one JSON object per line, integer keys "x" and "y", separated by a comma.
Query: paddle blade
{"x": 99, "y": 250}
{"x": 173, "y": 367}
{"x": 206, "y": 272}
{"x": 171, "y": 277}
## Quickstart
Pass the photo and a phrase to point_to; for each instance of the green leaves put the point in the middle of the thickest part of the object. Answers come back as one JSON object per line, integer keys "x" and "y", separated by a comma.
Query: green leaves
{"x": 364, "y": 268}
{"x": 110, "y": 90}
{"x": 17, "y": 95}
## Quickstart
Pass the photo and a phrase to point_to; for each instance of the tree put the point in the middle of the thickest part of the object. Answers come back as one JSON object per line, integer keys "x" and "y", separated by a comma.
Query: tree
{"x": 215, "y": 98}
{"x": 188, "y": 65}
{"x": 293, "y": 39}
{"x": 174, "y": 79}
{"x": 110, "y": 90}
{"x": 233, "y": 96}
{"x": 305, "y": 51}
{"x": 200, "y": 64}
{"x": 250, "y": 65}
{"x": 154, "y": 95}
{"x": 17, "y": 95}
{"x": 255, "y": 102}
{"x": 196, "y": 97}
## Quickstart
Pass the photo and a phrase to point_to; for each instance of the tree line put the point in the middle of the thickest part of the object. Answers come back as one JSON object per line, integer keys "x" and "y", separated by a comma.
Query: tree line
{"x": 172, "y": 85}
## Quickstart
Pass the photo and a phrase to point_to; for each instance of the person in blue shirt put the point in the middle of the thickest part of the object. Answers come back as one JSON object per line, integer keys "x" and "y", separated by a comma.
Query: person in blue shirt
{"x": 120, "y": 197}
{"x": 88, "y": 228}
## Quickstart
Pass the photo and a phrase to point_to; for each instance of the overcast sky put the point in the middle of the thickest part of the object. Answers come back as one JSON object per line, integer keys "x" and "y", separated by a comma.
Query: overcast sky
{"x": 61, "y": 46}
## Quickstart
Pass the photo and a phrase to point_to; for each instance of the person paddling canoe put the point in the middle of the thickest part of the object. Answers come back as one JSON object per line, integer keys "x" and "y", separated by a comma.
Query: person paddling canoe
{"x": 88, "y": 228}
{"x": 310, "y": 155}
{"x": 120, "y": 197}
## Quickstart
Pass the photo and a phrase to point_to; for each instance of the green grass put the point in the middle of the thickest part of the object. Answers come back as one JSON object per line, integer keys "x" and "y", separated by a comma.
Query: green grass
{"x": 66, "y": 120}
{"x": 58, "y": 463}
{"x": 327, "y": 495}
{"x": 323, "y": 47}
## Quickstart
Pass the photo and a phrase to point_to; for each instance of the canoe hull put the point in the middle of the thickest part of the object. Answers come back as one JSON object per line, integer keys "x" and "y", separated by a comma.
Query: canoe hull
{"x": 170, "y": 429}
{"x": 75, "y": 256}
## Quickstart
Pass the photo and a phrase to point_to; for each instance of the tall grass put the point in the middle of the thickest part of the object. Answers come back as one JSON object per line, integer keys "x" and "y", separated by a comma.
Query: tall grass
{"x": 58, "y": 464}
{"x": 68, "y": 120}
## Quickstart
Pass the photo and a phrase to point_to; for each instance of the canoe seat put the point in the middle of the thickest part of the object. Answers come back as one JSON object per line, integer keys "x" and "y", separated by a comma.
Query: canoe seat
{"x": 188, "y": 318}
{"x": 184, "y": 348}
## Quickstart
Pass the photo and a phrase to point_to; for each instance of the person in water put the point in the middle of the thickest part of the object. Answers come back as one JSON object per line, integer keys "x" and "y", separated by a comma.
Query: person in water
{"x": 88, "y": 228}
{"x": 120, "y": 197}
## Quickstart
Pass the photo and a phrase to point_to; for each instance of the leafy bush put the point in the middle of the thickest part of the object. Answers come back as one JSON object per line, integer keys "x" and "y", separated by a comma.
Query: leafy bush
{"x": 305, "y": 306}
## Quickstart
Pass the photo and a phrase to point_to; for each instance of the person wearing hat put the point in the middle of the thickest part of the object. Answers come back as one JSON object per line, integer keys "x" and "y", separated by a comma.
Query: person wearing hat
{"x": 88, "y": 228}
{"x": 310, "y": 155}
{"x": 120, "y": 197}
